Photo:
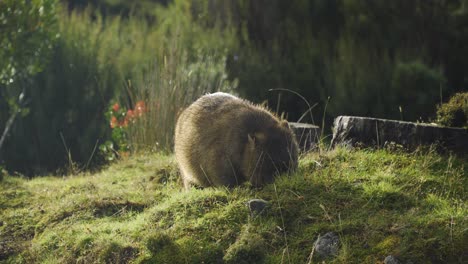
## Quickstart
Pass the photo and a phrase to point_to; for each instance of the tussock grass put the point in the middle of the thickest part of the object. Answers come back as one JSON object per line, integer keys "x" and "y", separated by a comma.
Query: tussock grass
{"x": 411, "y": 205}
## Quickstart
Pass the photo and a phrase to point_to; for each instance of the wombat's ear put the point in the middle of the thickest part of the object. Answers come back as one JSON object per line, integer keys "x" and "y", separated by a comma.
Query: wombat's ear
{"x": 285, "y": 124}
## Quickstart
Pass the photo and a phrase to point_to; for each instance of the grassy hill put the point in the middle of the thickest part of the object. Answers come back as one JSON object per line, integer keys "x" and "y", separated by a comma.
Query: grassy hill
{"x": 379, "y": 202}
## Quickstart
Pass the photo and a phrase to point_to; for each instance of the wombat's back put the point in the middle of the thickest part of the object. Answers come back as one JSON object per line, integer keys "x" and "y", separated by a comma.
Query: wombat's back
{"x": 215, "y": 140}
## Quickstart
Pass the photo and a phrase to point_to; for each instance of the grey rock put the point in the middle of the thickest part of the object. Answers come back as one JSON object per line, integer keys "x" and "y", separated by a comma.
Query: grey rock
{"x": 391, "y": 260}
{"x": 257, "y": 206}
{"x": 307, "y": 135}
{"x": 327, "y": 246}
{"x": 374, "y": 132}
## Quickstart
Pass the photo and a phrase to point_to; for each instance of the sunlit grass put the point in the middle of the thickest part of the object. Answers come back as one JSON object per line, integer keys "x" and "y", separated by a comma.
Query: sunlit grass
{"x": 378, "y": 202}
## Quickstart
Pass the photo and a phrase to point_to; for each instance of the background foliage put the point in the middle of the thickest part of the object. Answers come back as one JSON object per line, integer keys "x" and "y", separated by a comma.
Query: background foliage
{"x": 27, "y": 33}
{"x": 392, "y": 59}
{"x": 370, "y": 57}
{"x": 27, "y": 30}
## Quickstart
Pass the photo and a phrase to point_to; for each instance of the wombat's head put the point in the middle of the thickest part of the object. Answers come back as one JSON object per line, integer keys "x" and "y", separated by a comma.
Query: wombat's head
{"x": 269, "y": 152}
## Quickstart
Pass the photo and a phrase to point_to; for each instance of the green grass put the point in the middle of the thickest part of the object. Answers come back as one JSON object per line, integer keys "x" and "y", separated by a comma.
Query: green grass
{"x": 412, "y": 206}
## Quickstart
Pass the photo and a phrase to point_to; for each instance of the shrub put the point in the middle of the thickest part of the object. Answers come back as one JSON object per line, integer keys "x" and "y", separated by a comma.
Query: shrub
{"x": 454, "y": 113}
{"x": 68, "y": 98}
{"x": 98, "y": 60}
{"x": 28, "y": 30}
{"x": 120, "y": 121}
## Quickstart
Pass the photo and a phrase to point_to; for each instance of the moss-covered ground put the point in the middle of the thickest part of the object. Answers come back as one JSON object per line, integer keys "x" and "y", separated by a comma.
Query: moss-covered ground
{"x": 409, "y": 205}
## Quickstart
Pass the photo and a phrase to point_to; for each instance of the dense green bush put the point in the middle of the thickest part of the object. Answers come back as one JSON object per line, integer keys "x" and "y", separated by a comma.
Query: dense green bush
{"x": 454, "y": 113}
{"x": 28, "y": 30}
{"x": 68, "y": 99}
{"x": 370, "y": 58}
{"x": 98, "y": 61}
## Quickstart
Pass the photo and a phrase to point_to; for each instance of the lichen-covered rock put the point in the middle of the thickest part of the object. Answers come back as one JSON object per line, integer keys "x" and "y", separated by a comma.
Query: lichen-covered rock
{"x": 391, "y": 260}
{"x": 327, "y": 246}
{"x": 307, "y": 135}
{"x": 257, "y": 206}
{"x": 374, "y": 132}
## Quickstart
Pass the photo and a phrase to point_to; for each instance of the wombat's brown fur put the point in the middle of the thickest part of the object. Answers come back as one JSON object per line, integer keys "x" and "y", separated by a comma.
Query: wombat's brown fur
{"x": 221, "y": 140}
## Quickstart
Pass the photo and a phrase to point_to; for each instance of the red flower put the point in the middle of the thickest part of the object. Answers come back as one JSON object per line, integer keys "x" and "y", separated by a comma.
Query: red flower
{"x": 140, "y": 108}
{"x": 113, "y": 122}
{"x": 123, "y": 123}
{"x": 116, "y": 107}
{"x": 130, "y": 114}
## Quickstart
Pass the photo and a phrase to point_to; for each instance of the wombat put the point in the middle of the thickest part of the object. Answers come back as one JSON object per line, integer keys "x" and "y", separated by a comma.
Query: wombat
{"x": 222, "y": 140}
